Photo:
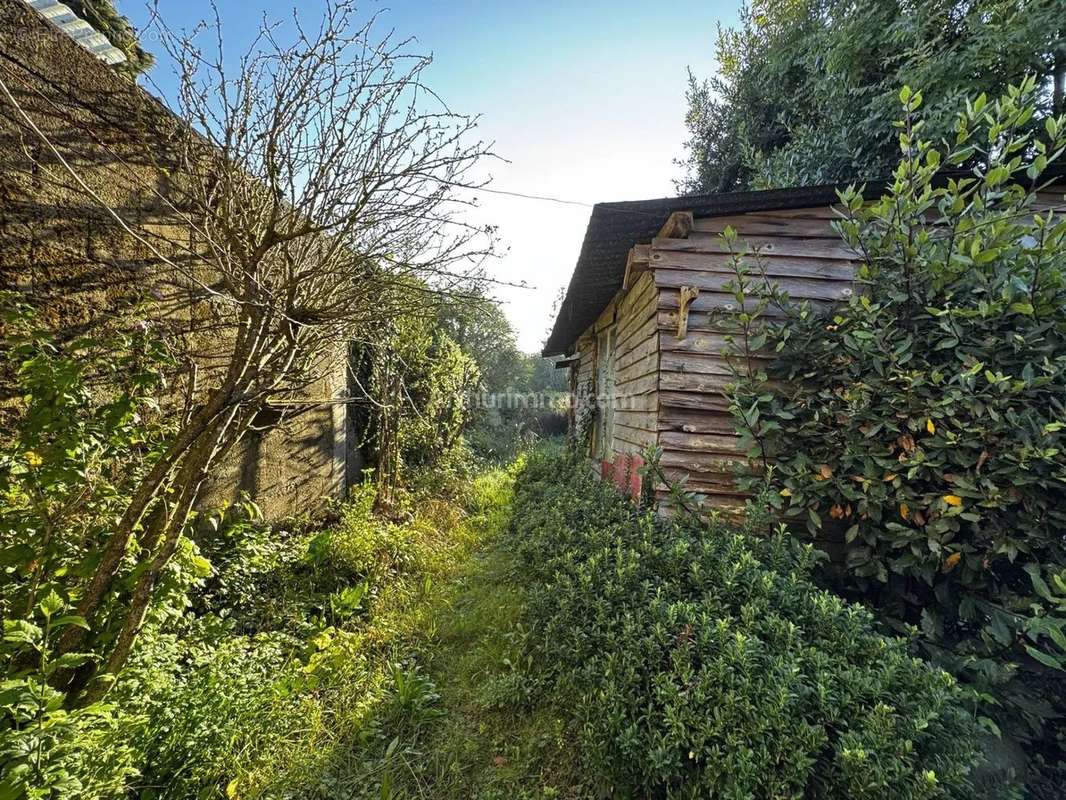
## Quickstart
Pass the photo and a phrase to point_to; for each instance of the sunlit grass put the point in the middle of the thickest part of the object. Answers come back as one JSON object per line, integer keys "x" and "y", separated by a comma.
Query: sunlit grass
{"x": 424, "y": 700}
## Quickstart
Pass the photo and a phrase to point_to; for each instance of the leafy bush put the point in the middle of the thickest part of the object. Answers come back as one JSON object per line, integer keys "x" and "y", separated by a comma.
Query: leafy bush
{"x": 921, "y": 424}
{"x": 46, "y": 750}
{"x": 211, "y": 704}
{"x": 702, "y": 661}
{"x": 419, "y": 380}
{"x": 804, "y": 93}
{"x": 84, "y": 430}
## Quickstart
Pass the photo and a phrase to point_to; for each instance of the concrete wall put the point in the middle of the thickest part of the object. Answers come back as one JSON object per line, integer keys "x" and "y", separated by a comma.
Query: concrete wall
{"x": 74, "y": 261}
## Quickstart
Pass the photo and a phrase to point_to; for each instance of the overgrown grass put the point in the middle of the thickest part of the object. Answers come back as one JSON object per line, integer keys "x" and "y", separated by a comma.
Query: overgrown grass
{"x": 453, "y": 716}
{"x": 410, "y": 690}
{"x": 341, "y": 662}
{"x": 379, "y": 713}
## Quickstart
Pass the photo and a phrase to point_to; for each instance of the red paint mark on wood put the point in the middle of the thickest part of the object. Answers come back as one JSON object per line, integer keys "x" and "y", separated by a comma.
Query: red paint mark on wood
{"x": 624, "y": 472}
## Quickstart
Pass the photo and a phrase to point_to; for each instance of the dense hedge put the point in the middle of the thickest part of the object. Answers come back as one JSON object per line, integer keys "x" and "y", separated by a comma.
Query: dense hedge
{"x": 701, "y": 661}
{"x": 919, "y": 426}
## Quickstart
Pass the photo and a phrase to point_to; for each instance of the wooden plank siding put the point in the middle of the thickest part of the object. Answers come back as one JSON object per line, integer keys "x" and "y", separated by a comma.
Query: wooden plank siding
{"x": 670, "y": 391}
{"x": 803, "y": 255}
{"x": 633, "y": 315}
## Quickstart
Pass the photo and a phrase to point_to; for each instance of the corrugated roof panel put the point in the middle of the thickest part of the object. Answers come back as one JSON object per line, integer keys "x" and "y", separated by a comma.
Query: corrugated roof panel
{"x": 78, "y": 29}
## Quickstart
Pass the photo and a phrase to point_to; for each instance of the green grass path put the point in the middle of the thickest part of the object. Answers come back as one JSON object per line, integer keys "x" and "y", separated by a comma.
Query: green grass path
{"x": 464, "y": 725}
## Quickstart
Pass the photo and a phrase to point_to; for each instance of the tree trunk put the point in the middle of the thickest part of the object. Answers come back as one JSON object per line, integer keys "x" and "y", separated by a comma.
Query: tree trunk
{"x": 194, "y": 471}
{"x": 246, "y": 348}
{"x": 1058, "y": 99}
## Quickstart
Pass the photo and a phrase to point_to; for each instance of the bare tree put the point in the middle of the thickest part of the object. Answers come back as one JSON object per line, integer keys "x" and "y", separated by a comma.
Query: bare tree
{"x": 321, "y": 180}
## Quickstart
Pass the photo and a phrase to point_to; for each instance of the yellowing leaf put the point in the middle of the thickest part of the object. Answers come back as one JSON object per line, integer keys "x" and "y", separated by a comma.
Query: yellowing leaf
{"x": 905, "y": 511}
{"x": 953, "y": 500}
{"x": 786, "y": 493}
{"x": 930, "y": 426}
{"x": 889, "y": 477}
{"x": 33, "y": 459}
{"x": 952, "y": 561}
{"x": 825, "y": 471}
{"x": 231, "y": 789}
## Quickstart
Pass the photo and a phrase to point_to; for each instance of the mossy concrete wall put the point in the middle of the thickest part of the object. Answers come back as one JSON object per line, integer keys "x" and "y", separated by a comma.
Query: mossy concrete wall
{"x": 74, "y": 261}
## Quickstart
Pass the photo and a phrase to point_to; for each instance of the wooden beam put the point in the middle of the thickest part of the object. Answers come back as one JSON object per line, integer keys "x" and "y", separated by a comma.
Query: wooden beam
{"x": 688, "y": 294}
{"x": 677, "y": 226}
{"x": 636, "y": 264}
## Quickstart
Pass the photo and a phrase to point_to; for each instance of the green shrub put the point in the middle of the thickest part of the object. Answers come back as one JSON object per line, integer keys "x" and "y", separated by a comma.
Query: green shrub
{"x": 702, "y": 661}
{"x": 920, "y": 424}
{"x": 210, "y": 702}
{"x": 47, "y": 751}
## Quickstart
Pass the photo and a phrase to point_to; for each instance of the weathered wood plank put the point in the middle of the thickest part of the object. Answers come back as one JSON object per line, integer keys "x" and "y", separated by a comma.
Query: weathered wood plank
{"x": 634, "y": 312}
{"x": 639, "y": 420}
{"x": 802, "y": 247}
{"x": 677, "y": 225}
{"x": 775, "y": 266}
{"x": 713, "y": 301}
{"x": 797, "y": 288}
{"x": 702, "y": 463}
{"x": 724, "y": 482}
{"x": 642, "y": 343}
{"x": 636, "y": 437}
{"x": 711, "y": 343}
{"x": 640, "y": 330}
{"x": 755, "y": 224}
{"x": 811, "y": 212}
{"x": 638, "y": 384}
{"x": 1053, "y": 201}
{"x": 648, "y": 401}
{"x": 642, "y": 384}
{"x": 674, "y": 419}
{"x": 722, "y": 444}
{"x": 636, "y": 264}
{"x": 694, "y": 382}
{"x": 709, "y": 321}
{"x": 606, "y": 318}
{"x": 705, "y": 363}
{"x": 635, "y": 358}
{"x": 728, "y": 506}
{"x": 693, "y": 401}
{"x": 638, "y": 295}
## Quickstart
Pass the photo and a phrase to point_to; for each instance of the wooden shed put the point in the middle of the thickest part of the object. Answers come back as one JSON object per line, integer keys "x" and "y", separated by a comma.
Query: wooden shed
{"x": 639, "y": 321}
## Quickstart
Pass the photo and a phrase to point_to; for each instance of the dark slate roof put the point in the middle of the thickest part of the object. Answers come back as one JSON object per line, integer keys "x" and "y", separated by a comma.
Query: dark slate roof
{"x": 615, "y": 227}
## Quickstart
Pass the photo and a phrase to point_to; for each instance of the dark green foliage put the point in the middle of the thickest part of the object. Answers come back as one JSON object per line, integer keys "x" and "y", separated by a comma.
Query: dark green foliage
{"x": 103, "y": 16}
{"x": 919, "y": 427}
{"x": 47, "y": 751}
{"x": 520, "y": 396}
{"x": 417, "y": 393}
{"x": 83, "y": 432}
{"x": 806, "y": 90}
{"x": 701, "y": 661}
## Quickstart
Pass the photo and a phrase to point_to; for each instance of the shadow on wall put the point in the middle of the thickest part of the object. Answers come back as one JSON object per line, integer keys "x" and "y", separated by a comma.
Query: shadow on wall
{"x": 83, "y": 272}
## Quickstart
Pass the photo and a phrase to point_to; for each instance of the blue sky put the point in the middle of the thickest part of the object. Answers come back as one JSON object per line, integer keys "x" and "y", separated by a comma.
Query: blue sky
{"x": 584, "y": 99}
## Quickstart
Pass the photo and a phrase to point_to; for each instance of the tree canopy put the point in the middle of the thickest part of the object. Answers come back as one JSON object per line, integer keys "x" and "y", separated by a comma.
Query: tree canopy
{"x": 806, "y": 91}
